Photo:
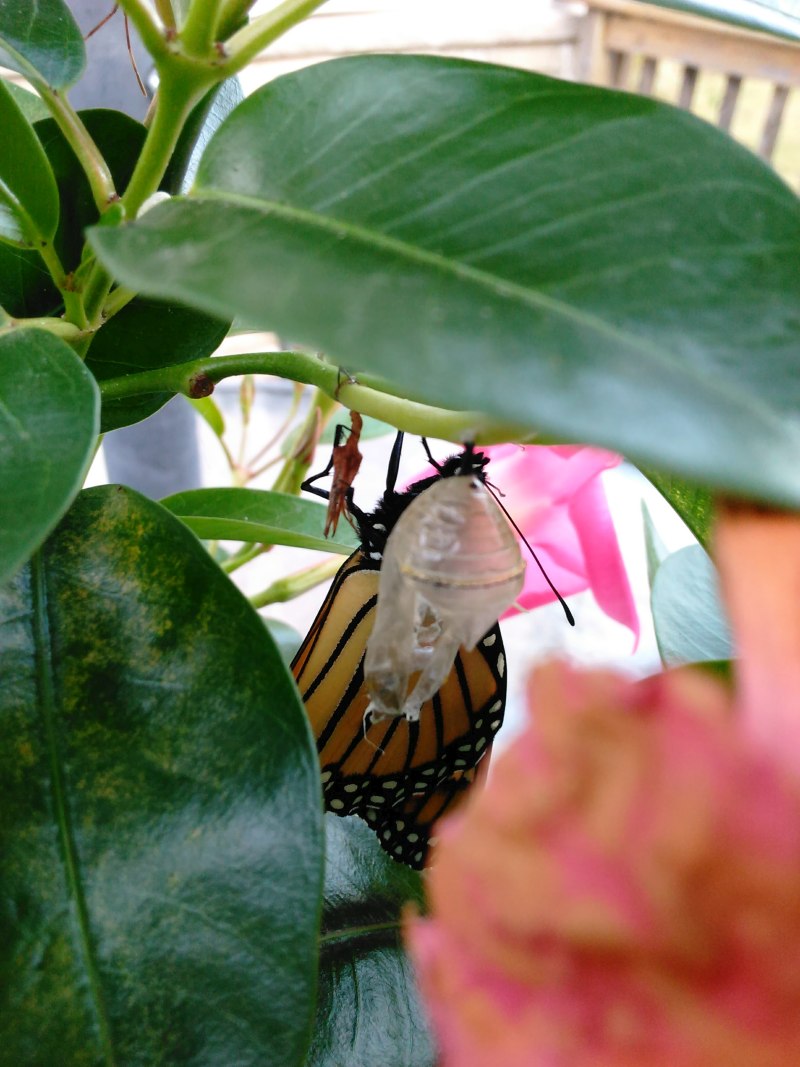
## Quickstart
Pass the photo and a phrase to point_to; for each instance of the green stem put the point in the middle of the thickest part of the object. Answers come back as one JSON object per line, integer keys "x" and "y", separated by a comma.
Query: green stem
{"x": 296, "y": 466}
{"x": 368, "y": 396}
{"x": 244, "y": 555}
{"x": 200, "y": 29}
{"x": 60, "y": 327}
{"x": 77, "y": 136}
{"x": 73, "y": 304}
{"x": 232, "y": 14}
{"x": 148, "y": 29}
{"x": 282, "y": 429}
{"x": 294, "y": 584}
{"x": 178, "y": 92}
{"x": 165, "y": 13}
{"x": 118, "y": 299}
{"x": 95, "y": 292}
{"x": 256, "y": 35}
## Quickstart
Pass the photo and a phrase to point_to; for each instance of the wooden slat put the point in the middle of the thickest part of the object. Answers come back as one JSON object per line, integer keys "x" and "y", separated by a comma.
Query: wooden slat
{"x": 688, "y": 84}
{"x": 619, "y": 68}
{"x": 772, "y": 125}
{"x": 728, "y": 105}
{"x": 647, "y": 75}
{"x": 705, "y": 48}
{"x": 590, "y": 54}
{"x": 632, "y": 8}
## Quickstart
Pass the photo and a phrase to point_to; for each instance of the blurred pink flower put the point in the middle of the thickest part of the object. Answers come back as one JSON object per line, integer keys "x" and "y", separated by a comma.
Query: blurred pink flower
{"x": 626, "y": 889}
{"x": 556, "y": 497}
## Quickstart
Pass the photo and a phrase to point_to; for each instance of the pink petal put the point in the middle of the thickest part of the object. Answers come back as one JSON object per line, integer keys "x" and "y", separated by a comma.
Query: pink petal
{"x": 758, "y": 553}
{"x": 605, "y": 568}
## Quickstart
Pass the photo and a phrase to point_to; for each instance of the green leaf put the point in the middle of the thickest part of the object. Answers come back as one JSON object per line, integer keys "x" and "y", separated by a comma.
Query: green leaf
{"x": 204, "y": 121}
{"x": 259, "y": 515}
{"x": 370, "y": 428}
{"x": 210, "y": 412}
{"x": 655, "y": 549}
{"x": 26, "y": 289}
{"x": 31, "y": 105}
{"x": 368, "y": 1009}
{"x": 160, "y": 833}
{"x": 595, "y": 265}
{"x": 49, "y": 415}
{"x": 693, "y": 503}
{"x": 27, "y": 185}
{"x": 42, "y": 41}
{"x": 119, "y": 138}
{"x": 781, "y": 17}
{"x": 688, "y": 616}
{"x": 287, "y": 639}
{"x": 144, "y": 335}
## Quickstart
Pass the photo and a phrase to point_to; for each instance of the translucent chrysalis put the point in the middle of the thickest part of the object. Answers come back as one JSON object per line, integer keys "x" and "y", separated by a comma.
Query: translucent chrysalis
{"x": 451, "y": 567}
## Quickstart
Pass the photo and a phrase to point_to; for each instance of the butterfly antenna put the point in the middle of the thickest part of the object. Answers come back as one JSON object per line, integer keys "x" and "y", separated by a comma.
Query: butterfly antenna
{"x": 526, "y": 542}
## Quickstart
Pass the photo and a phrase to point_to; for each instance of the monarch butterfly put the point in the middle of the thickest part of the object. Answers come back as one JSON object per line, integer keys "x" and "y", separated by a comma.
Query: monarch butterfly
{"x": 398, "y": 774}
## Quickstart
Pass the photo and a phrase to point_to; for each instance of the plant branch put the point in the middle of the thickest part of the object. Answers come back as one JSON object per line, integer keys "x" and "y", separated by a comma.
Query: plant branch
{"x": 73, "y": 305}
{"x": 232, "y": 14}
{"x": 177, "y": 95}
{"x": 60, "y": 327}
{"x": 79, "y": 140}
{"x": 296, "y": 465}
{"x": 256, "y": 35}
{"x": 165, "y": 13}
{"x": 368, "y": 396}
{"x": 244, "y": 555}
{"x": 200, "y": 29}
{"x": 95, "y": 292}
{"x": 117, "y": 299}
{"x": 148, "y": 29}
{"x": 294, "y": 584}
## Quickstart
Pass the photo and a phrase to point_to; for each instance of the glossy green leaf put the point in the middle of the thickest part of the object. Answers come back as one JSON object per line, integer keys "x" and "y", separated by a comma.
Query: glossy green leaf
{"x": 26, "y": 289}
{"x": 28, "y": 193}
{"x": 160, "y": 833}
{"x": 209, "y": 411}
{"x": 119, "y": 138}
{"x": 40, "y": 39}
{"x": 368, "y": 1009}
{"x": 287, "y": 639}
{"x": 781, "y": 17}
{"x": 147, "y": 334}
{"x": 204, "y": 121}
{"x": 49, "y": 417}
{"x": 259, "y": 515}
{"x": 693, "y": 503}
{"x": 31, "y": 105}
{"x": 595, "y": 265}
{"x": 688, "y": 616}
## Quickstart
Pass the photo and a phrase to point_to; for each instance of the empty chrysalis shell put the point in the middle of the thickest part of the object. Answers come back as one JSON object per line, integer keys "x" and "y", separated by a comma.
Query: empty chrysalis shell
{"x": 451, "y": 567}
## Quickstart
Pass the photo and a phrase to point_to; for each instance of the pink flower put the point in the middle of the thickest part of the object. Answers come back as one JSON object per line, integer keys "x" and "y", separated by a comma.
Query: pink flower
{"x": 556, "y": 497}
{"x": 626, "y": 889}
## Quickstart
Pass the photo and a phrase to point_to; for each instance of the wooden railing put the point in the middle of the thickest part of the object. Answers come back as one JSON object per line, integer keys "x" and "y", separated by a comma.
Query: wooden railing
{"x": 622, "y": 43}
